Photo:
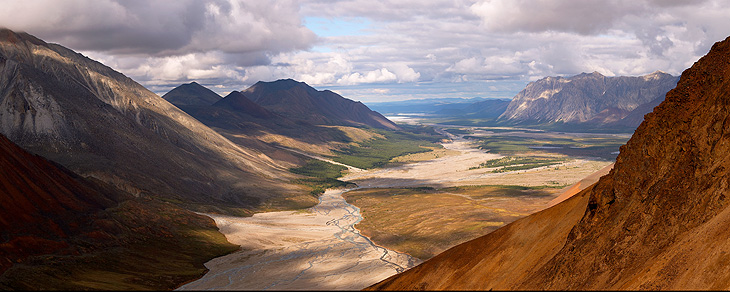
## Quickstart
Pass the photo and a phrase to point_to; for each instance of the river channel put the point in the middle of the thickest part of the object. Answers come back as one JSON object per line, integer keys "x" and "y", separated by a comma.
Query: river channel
{"x": 314, "y": 249}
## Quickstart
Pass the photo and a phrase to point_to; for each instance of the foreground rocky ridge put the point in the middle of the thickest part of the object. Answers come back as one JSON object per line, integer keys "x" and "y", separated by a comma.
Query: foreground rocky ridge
{"x": 99, "y": 123}
{"x": 658, "y": 220}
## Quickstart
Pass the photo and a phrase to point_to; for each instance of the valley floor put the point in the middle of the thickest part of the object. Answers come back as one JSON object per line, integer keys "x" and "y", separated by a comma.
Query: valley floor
{"x": 319, "y": 248}
{"x": 313, "y": 249}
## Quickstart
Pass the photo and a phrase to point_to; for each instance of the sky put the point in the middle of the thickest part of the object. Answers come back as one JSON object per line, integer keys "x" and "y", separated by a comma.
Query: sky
{"x": 377, "y": 50}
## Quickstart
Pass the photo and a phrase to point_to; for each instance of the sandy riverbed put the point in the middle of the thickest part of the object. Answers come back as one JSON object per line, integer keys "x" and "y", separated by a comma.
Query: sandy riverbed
{"x": 454, "y": 170}
{"x": 316, "y": 249}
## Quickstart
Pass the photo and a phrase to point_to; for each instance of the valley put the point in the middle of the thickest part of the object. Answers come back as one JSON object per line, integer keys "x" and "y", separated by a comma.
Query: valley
{"x": 106, "y": 184}
{"x": 407, "y": 211}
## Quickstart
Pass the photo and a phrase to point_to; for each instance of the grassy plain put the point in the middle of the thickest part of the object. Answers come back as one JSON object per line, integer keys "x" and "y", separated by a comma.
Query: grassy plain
{"x": 378, "y": 151}
{"x": 604, "y": 147}
{"x": 425, "y": 221}
{"x": 468, "y": 198}
{"x": 321, "y": 176}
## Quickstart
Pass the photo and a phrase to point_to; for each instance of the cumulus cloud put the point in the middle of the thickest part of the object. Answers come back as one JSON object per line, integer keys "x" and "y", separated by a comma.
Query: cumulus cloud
{"x": 163, "y": 28}
{"x": 380, "y": 75}
{"x": 408, "y": 45}
{"x": 585, "y": 17}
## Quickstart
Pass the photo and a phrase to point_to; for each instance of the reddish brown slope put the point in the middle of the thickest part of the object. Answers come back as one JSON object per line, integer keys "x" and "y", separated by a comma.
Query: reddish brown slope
{"x": 40, "y": 204}
{"x": 659, "y": 220}
{"x": 63, "y": 232}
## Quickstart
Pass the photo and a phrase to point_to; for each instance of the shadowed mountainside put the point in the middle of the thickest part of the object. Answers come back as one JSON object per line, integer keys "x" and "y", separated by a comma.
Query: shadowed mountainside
{"x": 658, "y": 221}
{"x": 99, "y": 123}
{"x": 191, "y": 94}
{"x": 63, "y": 232}
{"x": 299, "y": 101}
{"x": 248, "y": 124}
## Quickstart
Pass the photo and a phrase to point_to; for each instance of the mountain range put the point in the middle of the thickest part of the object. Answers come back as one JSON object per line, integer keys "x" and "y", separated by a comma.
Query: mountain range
{"x": 589, "y": 98}
{"x": 285, "y": 114}
{"x": 658, "y": 221}
{"x": 99, "y": 123}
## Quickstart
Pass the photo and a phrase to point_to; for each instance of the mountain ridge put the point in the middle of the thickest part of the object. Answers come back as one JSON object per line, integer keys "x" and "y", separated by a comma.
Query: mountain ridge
{"x": 99, "y": 123}
{"x": 297, "y": 100}
{"x": 590, "y": 98}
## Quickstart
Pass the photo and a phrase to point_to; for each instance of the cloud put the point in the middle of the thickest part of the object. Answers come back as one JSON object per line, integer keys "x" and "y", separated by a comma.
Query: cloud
{"x": 584, "y": 17}
{"x": 413, "y": 48}
{"x": 164, "y": 28}
{"x": 380, "y": 75}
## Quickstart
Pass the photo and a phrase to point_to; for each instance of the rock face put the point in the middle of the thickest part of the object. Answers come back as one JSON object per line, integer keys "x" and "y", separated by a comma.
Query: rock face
{"x": 299, "y": 101}
{"x": 659, "y": 220}
{"x": 99, "y": 123}
{"x": 588, "y": 98}
{"x": 191, "y": 94}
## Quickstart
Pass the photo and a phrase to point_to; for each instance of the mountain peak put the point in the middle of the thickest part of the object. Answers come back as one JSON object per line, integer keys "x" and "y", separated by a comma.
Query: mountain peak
{"x": 281, "y": 84}
{"x": 300, "y": 101}
{"x": 191, "y": 94}
{"x": 583, "y": 97}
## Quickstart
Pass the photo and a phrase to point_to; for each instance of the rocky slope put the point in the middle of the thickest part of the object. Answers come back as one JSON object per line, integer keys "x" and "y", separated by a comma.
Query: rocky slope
{"x": 63, "y": 232}
{"x": 299, "y": 101}
{"x": 99, "y": 123}
{"x": 588, "y": 98}
{"x": 658, "y": 220}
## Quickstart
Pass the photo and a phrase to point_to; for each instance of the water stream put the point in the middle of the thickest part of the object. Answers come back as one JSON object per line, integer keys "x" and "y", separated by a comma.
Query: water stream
{"x": 318, "y": 249}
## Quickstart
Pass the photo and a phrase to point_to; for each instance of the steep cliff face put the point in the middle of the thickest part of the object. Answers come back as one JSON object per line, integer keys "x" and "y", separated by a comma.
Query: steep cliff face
{"x": 97, "y": 122}
{"x": 299, "y": 101}
{"x": 587, "y": 98}
{"x": 658, "y": 220}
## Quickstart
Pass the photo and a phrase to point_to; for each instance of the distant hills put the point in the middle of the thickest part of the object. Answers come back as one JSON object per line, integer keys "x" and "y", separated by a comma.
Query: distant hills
{"x": 589, "y": 99}
{"x": 584, "y": 102}
{"x": 478, "y": 108}
{"x": 658, "y": 221}
{"x": 284, "y": 99}
{"x": 299, "y": 101}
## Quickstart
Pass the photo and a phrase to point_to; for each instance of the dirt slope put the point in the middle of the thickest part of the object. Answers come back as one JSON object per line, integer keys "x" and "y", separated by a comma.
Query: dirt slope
{"x": 658, "y": 220}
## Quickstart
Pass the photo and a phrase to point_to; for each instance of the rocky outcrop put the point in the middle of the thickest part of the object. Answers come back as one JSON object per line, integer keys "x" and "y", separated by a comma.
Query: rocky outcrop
{"x": 588, "y": 98}
{"x": 659, "y": 220}
{"x": 299, "y": 101}
{"x": 99, "y": 123}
